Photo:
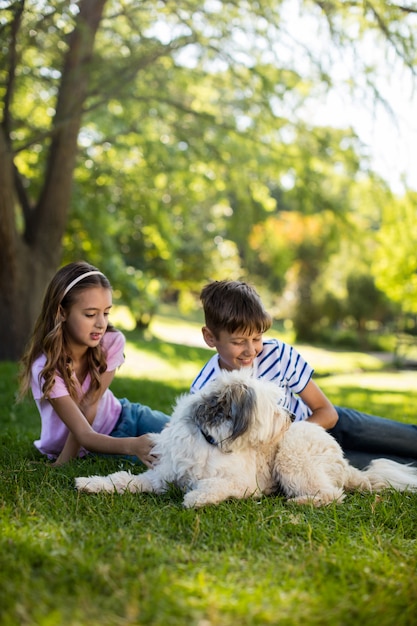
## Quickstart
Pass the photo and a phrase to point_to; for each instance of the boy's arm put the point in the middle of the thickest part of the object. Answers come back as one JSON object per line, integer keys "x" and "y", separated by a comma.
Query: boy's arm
{"x": 323, "y": 411}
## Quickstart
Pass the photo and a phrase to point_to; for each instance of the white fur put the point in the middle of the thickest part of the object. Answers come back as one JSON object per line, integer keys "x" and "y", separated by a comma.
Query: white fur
{"x": 256, "y": 451}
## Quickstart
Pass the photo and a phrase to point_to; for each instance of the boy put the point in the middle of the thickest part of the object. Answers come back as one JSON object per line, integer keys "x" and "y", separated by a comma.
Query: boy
{"x": 235, "y": 321}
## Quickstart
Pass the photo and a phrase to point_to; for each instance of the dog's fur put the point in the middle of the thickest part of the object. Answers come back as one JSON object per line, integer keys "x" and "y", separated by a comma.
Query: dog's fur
{"x": 232, "y": 439}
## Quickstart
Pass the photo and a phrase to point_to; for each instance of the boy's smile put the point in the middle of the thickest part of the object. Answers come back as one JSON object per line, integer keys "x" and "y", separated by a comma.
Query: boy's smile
{"x": 235, "y": 350}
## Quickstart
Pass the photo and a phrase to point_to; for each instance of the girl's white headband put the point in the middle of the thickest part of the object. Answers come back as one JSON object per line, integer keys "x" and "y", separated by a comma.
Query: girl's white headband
{"x": 77, "y": 280}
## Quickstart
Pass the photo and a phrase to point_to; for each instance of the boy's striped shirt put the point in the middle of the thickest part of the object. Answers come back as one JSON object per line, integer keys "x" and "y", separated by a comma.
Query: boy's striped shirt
{"x": 277, "y": 362}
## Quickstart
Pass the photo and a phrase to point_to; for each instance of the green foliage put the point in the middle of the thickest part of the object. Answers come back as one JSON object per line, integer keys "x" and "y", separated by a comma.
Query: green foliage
{"x": 205, "y": 141}
{"x": 195, "y": 140}
{"x": 395, "y": 262}
{"x": 297, "y": 246}
{"x": 365, "y": 300}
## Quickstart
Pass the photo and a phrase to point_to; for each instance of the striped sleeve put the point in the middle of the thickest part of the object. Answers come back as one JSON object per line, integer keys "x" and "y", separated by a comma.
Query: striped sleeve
{"x": 283, "y": 364}
{"x": 208, "y": 373}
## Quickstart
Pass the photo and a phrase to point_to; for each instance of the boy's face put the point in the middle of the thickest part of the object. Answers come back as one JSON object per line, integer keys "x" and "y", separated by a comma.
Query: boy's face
{"x": 236, "y": 350}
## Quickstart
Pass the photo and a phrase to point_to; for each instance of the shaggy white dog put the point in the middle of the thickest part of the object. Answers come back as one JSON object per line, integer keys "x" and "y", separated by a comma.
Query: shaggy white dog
{"x": 233, "y": 439}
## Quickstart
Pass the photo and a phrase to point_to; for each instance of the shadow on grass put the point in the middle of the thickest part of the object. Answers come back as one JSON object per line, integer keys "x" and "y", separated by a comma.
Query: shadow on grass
{"x": 166, "y": 349}
{"x": 156, "y": 394}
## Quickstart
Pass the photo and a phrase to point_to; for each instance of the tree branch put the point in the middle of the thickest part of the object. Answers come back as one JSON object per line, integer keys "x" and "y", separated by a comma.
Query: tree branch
{"x": 47, "y": 222}
{"x": 11, "y": 75}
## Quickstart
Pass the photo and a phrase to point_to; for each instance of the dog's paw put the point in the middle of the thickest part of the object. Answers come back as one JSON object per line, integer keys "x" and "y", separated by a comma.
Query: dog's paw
{"x": 94, "y": 484}
{"x": 319, "y": 499}
{"x": 198, "y": 498}
{"x": 195, "y": 499}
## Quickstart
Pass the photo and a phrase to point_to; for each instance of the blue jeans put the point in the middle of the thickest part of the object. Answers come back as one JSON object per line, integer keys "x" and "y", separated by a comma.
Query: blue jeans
{"x": 137, "y": 419}
{"x": 366, "y": 437}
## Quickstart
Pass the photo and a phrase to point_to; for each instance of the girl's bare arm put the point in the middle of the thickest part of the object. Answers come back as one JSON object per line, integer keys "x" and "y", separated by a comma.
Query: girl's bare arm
{"x": 82, "y": 434}
{"x": 89, "y": 410}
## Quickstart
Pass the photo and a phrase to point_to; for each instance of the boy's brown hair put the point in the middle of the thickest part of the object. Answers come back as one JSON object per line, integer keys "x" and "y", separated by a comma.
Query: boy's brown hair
{"x": 233, "y": 305}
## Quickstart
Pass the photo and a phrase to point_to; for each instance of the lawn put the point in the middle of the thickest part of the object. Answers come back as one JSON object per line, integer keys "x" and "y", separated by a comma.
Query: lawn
{"x": 69, "y": 559}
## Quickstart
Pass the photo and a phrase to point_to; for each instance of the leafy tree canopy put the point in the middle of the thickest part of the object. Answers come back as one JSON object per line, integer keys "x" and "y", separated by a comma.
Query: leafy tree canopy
{"x": 151, "y": 137}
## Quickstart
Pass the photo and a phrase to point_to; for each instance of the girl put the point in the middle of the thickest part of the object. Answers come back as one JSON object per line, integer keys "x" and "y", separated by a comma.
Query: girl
{"x": 70, "y": 363}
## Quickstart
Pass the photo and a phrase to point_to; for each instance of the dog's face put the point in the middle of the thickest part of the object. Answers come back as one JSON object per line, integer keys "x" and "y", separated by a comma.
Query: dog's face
{"x": 237, "y": 410}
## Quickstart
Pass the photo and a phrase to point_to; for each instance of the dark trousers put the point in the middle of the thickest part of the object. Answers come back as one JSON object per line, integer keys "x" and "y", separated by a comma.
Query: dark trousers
{"x": 366, "y": 437}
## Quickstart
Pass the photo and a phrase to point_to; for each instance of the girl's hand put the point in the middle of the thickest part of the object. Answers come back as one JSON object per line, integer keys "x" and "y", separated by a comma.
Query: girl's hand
{"x": 82, "y": 434}
{"x": 143, "y": 450}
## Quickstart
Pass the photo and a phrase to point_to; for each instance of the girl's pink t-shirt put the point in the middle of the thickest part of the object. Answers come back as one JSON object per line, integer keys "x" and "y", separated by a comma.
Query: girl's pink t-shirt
{"x": 53, "y": 430}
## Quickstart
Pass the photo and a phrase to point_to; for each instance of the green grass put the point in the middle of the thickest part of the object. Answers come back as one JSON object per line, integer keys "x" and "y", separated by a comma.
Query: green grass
{"x": 71, "y": 559}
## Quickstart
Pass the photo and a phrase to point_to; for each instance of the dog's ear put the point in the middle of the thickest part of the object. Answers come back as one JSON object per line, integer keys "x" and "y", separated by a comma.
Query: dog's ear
{"x": 225, "y": 412}
{"x": 270, "y": 419}
{"x": 241, "y": 400}
{"x": 208, "y": 411}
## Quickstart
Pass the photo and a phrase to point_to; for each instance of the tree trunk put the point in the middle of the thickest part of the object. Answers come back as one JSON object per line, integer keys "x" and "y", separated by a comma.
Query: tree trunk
{"x": 30, "y": 256}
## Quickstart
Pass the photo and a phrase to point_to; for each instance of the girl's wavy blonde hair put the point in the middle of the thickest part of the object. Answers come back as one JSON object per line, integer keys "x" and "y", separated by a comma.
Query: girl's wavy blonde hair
{"x": 49, "y": 335}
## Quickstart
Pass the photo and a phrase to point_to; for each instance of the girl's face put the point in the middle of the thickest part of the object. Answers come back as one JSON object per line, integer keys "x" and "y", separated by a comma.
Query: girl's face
{"x": 87, "y": 320}
{"x": 236, "y": 350}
